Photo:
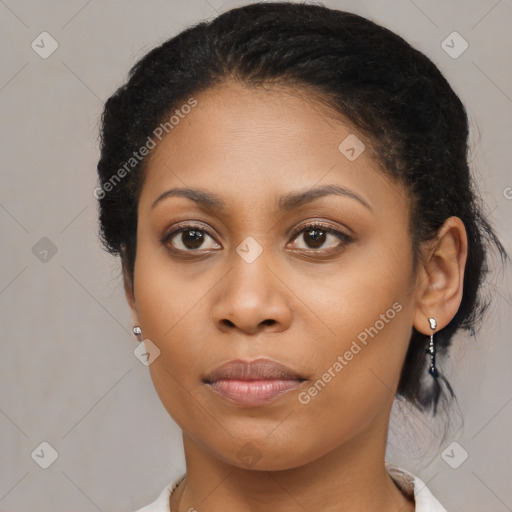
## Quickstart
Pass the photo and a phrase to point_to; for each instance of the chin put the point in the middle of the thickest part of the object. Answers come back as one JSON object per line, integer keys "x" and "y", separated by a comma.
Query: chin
{"x": 260, "y": 455}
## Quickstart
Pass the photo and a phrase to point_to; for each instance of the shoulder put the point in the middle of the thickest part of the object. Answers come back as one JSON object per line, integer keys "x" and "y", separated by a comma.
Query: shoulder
{"x": 162, "y": 503}
{"x": 411, "y": 485}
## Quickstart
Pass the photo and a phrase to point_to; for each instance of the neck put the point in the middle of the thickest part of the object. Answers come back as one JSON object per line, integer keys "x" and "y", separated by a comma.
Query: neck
{"x": 349, "y": 477}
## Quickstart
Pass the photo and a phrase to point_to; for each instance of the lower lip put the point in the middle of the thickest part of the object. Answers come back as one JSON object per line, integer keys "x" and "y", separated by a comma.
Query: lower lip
{"x": 253, "y": 393}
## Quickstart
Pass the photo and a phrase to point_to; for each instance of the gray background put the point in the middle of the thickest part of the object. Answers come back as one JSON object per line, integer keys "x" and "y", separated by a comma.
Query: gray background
{"x": 68, "y": 374}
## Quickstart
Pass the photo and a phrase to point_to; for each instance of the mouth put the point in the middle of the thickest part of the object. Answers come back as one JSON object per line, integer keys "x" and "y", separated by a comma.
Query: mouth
{"x": 252, "y": 383}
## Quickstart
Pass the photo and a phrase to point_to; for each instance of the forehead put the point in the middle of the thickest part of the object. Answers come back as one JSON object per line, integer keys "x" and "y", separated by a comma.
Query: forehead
{"x": 241, "y": 142}
{"x": 267, "y": 114}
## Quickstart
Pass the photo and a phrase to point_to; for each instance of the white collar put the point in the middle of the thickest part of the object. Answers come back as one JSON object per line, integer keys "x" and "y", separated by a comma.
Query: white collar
{"x": 411, "y": 485}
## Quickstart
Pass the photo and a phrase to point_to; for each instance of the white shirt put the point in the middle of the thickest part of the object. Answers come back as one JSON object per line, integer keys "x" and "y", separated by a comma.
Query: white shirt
{"x": 408, "y": 483}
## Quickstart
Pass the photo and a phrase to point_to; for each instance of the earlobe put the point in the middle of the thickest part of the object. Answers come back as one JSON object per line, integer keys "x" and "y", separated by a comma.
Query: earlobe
{"x": 441, "y": 276}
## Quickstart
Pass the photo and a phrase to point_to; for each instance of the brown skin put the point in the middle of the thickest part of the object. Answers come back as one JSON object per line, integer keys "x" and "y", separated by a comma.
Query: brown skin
{"x": 251, "y": 146}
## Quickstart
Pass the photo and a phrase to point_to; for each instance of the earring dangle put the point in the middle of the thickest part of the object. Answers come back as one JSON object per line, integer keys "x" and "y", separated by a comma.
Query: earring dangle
{"x": 432, "y": 349}
{"x": 137, "y": 331}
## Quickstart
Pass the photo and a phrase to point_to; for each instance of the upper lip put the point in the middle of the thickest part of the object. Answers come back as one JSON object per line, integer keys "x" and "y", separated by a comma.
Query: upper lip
{"x": 261, "y": 368}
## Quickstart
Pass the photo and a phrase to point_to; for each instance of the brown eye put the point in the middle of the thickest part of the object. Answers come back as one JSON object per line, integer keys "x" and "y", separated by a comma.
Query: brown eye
{"x": 189, "y": 238}
{"x": 192, "y": 238}
{"x": 316, "y": 236}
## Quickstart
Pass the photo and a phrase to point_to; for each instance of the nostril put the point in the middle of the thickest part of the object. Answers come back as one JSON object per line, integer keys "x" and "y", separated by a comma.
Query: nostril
{"x": 229, "y": 323}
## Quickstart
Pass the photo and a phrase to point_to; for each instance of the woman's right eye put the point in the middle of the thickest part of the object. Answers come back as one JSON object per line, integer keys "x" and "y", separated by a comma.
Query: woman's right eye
{"x": 189, "y": 238}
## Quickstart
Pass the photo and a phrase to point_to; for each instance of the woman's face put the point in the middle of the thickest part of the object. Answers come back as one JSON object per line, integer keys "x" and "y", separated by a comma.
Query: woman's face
{"x": 249, "y": 278}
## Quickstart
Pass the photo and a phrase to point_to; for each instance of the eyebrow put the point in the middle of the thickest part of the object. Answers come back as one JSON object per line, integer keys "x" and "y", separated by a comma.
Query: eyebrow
{"x": 285, "y": 203}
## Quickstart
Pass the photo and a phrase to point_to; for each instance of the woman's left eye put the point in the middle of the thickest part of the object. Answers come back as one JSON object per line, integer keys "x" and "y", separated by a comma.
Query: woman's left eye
{"x": 315, "y": 237}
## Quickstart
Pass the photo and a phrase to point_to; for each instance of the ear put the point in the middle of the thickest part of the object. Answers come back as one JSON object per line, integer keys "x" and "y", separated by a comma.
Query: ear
{"x": 441, "y": 276}
{"x": 129, "y": 291}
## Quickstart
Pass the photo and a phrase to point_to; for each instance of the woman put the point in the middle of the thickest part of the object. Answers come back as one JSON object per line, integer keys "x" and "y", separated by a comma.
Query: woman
{"x": 288, "y": 189}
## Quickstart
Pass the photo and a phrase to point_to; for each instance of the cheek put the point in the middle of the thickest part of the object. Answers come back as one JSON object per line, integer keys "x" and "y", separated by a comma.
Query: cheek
{"x": 165, "y": 315}
{"x": 366, "y": 318}
{"x": 362, "y": 361}
{"x": 163, "y": 296}
{"x": 364, "y": 299}
{"x": 171, "y": 310}
{"x": 355, "y": 384}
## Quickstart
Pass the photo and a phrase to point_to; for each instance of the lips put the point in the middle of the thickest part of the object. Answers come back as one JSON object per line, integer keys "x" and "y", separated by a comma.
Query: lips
{"x": 258, "y": 369}
{"x": 252, "y": 383}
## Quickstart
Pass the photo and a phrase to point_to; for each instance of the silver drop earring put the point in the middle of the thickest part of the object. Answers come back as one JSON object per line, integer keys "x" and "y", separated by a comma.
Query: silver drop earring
{"x": 137, "y": 331}
{"x": 432, "y": 349}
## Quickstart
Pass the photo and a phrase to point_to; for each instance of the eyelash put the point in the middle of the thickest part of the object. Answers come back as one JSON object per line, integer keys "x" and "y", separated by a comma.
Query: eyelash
{"x": 344, "y": 238}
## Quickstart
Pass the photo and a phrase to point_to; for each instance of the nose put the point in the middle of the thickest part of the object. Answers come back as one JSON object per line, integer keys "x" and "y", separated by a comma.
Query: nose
{"x": 252, "y": 298}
